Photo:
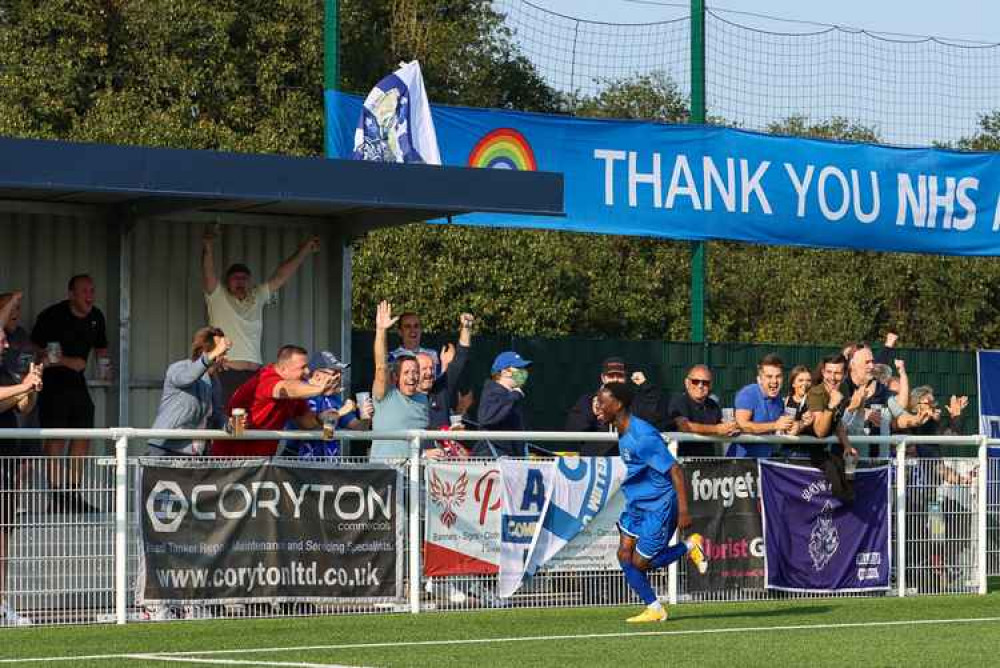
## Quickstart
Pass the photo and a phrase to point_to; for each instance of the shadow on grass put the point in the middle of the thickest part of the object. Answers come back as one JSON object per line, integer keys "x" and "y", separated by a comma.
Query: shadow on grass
{"x": 993, "y": 584}
{"x": 762, "y": 614}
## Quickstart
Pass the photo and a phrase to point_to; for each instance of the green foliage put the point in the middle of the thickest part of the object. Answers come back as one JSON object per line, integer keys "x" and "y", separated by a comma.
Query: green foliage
{"x": 246, "y": 75}
{"x": 235, "y": 75}
{"x": 835, "y": 128}
{"x": 524, "y": 282}
{"x": 652, "y": 97}
{"x": 988, "y": 137}
{"x": 466, "y": 53}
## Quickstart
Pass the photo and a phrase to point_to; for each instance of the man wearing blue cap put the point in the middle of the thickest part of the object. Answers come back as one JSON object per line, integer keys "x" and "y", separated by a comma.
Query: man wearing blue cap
{"x": 500, "y": 404}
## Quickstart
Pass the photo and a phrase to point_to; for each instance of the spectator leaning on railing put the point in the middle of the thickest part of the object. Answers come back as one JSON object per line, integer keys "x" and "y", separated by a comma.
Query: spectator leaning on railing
{"x": 399, "y": 404}
{"x": 188, "y": 400}
{"x": 695, "y": 412}
{"x": 17, "y": 396}
{"x": 827, "y": 407}
{"x": 760, "y": 408}
{"x": 331, "y": 408}
{"x": 272, "y": 397}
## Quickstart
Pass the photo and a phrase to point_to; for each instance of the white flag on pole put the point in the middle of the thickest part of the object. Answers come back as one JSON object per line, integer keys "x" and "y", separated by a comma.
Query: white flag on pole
{"x": 396, "y": 123}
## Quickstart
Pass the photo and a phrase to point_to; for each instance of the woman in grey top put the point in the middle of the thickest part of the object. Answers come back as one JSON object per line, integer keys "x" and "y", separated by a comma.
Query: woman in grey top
{"x": 188, "y": 400}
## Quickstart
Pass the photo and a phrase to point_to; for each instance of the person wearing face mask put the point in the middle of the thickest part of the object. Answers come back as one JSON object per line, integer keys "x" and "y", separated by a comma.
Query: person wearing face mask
{"x": 760, "y": 408}
{"x": 500, "y": 404}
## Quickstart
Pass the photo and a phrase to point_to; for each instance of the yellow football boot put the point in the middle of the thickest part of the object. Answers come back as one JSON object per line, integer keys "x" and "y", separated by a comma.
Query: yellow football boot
{"x": 649, "y": 615}
{"x": 696, "y": 554}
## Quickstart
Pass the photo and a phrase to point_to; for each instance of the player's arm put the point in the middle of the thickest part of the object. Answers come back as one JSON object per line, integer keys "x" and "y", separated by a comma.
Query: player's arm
{"x": 683, "y": 515}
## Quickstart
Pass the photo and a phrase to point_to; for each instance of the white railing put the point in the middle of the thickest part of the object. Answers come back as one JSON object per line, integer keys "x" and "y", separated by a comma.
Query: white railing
{"x": 917, "y": 553}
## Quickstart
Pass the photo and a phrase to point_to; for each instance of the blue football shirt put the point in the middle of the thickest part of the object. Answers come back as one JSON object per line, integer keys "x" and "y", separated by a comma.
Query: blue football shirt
{"x": 311, "y": 449}
{"x": 648, "y": 462}
{"x": 762, "y": 409}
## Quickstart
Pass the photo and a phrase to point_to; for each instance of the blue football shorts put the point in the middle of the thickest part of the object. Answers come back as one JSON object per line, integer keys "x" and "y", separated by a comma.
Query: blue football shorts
{"x": 652, "y": 528}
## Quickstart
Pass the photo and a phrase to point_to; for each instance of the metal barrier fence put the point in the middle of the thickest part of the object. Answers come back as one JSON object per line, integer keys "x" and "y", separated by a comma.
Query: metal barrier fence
{"x": 74, "y": 557}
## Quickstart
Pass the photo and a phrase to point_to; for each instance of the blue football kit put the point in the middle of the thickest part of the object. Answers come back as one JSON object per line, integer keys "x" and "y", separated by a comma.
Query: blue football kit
{"x": 650, "y": 514}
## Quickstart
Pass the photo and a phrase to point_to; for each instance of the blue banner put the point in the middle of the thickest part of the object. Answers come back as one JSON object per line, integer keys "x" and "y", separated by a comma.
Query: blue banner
{"x": 702, "y": 182}
{"x": 816, "y": 543}
{"x": 988, "y": 370}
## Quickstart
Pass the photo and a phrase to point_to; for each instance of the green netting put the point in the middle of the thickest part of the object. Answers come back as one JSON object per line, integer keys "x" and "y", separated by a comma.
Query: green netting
{"x": 578, "y": 57}
{"x": 763, "y": 70}
{"x": 567, "y": 368}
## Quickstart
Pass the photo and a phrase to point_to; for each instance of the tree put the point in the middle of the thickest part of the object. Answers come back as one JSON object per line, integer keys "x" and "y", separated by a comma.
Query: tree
{"x": 988, "y": 137}
{"x": 467, "y": 54}
{"x": 227, "y": 74}
{"x": 651, "y": 97}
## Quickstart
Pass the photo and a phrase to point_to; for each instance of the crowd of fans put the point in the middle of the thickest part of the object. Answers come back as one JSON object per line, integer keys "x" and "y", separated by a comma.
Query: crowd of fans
{"x": 224, "y": 383}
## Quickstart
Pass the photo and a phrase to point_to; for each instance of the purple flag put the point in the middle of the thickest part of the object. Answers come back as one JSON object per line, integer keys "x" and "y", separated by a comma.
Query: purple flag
{"x": 816, "y": 543}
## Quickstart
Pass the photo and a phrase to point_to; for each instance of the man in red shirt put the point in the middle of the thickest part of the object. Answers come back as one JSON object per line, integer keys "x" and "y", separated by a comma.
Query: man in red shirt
{"x": 275, "y": 394}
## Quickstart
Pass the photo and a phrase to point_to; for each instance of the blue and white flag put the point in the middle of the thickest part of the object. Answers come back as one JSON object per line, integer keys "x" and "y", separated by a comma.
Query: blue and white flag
{"x": 816, "y": 543}
{"x": 547, "y": 504}
{"x": 396, "y": 123}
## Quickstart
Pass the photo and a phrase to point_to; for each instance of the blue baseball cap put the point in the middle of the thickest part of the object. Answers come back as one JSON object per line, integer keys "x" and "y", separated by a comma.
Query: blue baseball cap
{"x": 509, "y": 359}
{"x": 326, "y": 360}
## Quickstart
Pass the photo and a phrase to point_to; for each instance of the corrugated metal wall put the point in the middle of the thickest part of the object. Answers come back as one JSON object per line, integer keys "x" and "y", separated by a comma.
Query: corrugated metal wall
{"x": 168, "y": 306}
{"x": 43, "y": 245}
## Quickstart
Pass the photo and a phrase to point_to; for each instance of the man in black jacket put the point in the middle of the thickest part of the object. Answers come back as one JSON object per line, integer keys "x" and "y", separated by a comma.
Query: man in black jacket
{"x": 500, "y": 404}
{"x": 648, "y": 403}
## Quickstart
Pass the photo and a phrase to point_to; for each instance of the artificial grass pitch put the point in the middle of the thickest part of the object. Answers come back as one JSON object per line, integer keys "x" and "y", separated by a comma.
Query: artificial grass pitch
{"x": 924, "y": 631}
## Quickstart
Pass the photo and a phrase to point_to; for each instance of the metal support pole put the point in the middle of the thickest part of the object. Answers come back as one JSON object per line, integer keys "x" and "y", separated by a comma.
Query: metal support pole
{"x": 901, "y": 518}
{"x": 672, "y": 568}
{"x": 331, "y": 45}
{"x": 413, "y": 513}
{"x": 124, "y": 322}
{"x": 698, "y": 114}
{"x": 981, "y": 501}
{"x": 121, "y": 527}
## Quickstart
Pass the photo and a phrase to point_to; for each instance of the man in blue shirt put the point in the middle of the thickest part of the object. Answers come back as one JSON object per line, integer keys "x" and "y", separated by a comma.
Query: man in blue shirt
{"x": 656, "y": 502}
{"x": 760, "y": 408}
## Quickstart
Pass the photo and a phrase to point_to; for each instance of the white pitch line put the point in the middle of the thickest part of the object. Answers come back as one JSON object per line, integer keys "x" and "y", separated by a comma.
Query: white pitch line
{"x": 235, "y": 662}
{"x": 513, "y": 639}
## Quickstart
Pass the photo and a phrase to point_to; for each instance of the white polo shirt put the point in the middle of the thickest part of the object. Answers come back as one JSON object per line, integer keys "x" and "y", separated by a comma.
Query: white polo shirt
{"x": 242, "y": 320}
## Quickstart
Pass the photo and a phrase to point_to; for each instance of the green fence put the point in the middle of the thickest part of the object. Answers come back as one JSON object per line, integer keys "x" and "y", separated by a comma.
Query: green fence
{"x": 566, "y": 368}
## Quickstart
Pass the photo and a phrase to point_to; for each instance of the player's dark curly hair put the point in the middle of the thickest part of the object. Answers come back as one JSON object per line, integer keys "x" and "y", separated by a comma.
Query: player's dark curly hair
{"x": 623, "y": 392}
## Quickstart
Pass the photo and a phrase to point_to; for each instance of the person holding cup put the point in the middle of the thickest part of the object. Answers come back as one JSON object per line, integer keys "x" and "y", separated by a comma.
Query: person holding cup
{"x": 760, "y": 408}
{"x": 270, "y": 398}
{"x": 695, "y": 412}
{"x": 333, "y": 410}
{"x": 76, "y": 327}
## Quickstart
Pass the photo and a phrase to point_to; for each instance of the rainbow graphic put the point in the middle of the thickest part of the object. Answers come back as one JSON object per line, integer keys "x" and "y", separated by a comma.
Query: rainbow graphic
{"x": 503, "y": 148}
